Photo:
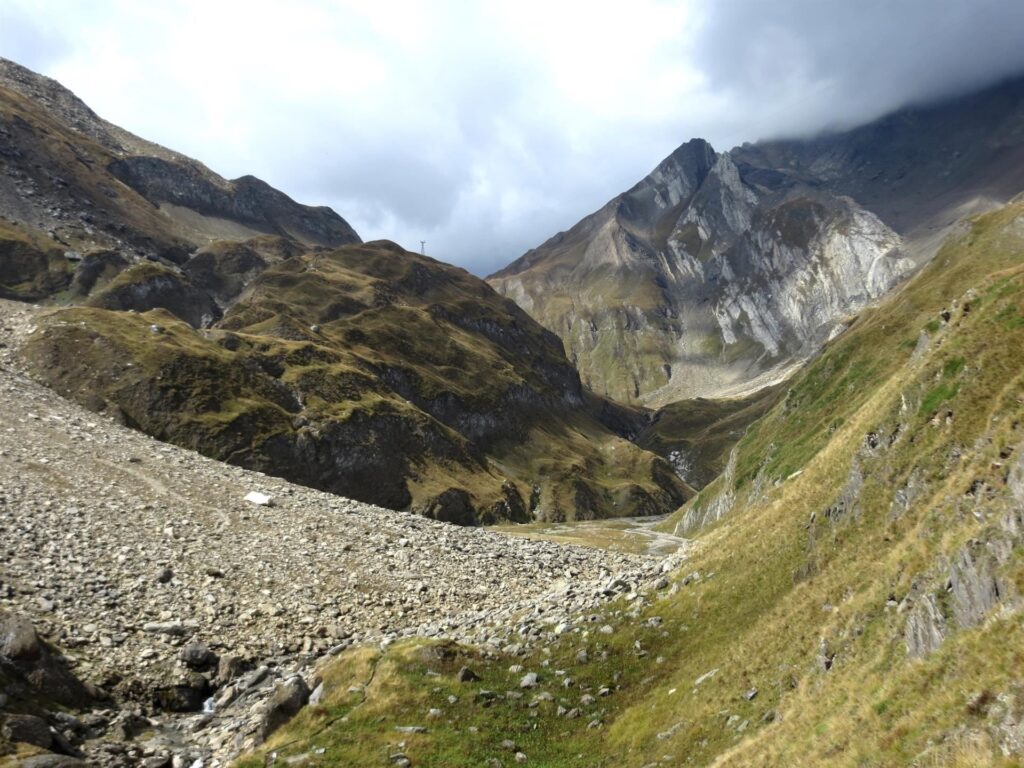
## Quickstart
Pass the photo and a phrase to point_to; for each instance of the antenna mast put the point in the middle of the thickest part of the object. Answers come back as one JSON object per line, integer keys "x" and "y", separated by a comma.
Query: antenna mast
{"x": 423, "y": 247}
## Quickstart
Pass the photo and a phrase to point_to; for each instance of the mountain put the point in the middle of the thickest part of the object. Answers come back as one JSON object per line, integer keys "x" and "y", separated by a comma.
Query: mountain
{"x": 222, "y": 316}
{"x": 81, "y": 197}
{"x": 718, "y": 273}
{"x": 851, "y": 594}
{"x": 369, "y": 371}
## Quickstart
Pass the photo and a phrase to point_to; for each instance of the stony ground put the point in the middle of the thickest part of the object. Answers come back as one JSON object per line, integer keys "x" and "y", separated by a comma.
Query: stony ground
{"x": 123, "y": 550}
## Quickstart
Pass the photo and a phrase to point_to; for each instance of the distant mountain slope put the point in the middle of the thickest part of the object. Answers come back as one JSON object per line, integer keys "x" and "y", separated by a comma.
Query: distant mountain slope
{"x": 369, "y": 371}
{"x": 72, "y": 183}
{"x": 717, "y": 272}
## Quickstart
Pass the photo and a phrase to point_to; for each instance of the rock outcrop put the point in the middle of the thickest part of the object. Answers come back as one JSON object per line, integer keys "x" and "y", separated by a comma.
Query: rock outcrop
{"x": 717, "y": 272}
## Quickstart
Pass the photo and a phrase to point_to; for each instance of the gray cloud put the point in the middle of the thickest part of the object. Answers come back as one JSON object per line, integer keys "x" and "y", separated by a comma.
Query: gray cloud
{"x": 804, "y": 65}
{"x": 486, "y": 128}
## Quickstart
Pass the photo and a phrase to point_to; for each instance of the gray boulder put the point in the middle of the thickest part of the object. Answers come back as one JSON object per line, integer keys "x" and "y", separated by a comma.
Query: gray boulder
{"x": 285, "y": 702}
{"x": 27, "y": 729}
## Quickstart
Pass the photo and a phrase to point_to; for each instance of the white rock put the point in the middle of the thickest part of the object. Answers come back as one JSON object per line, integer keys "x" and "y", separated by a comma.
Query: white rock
{"x": 260, "y": 499}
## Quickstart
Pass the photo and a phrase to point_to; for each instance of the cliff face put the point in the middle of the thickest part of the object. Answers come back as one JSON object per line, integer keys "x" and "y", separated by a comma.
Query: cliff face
{"x": 70, "y": 182}
{"x": 718, "y": 272}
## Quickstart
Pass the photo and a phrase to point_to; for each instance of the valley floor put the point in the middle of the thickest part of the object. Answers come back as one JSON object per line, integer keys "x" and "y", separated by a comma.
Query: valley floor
{"x": 122, "y": 549}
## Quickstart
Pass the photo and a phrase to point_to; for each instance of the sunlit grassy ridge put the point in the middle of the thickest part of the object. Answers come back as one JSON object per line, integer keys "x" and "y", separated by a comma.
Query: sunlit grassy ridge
{"x": 884, "y": 483}
{"x": 368, "y": 371}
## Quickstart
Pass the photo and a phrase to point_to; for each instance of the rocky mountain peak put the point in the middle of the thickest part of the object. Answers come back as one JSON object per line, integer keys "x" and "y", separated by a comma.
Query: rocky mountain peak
{"x": 718, "y": 272}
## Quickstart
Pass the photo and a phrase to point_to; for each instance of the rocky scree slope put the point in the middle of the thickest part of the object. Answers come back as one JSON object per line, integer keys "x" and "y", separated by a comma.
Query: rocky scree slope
{"x": 370, "y": 372}
{"x": 719, "y": 271}
{"x": 81, "y": 199}
{"x": 164, "y": 587}
{"x": 854, "y": 600}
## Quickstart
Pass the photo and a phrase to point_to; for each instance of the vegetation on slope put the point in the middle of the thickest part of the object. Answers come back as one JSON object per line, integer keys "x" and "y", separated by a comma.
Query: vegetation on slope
{"x": 368, "y": 371}
{"x": 857, "y": 604}
{"x": 697, "y": 435}
{"x": 30, "y": 268}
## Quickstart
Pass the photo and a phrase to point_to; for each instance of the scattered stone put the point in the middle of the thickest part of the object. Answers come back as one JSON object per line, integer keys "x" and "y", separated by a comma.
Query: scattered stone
{"x": 529, "y": 680}
{"x": 328, "y": 575}
{"x": 467, "y": 675}
{"x": 259, "y": 499}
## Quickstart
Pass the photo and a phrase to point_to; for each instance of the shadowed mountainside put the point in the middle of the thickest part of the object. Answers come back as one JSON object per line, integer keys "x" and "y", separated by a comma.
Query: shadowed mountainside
{"x": 371, "y": 372}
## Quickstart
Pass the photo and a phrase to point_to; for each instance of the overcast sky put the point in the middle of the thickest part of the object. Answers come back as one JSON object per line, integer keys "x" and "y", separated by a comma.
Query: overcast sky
{"x": 486, "y": 127}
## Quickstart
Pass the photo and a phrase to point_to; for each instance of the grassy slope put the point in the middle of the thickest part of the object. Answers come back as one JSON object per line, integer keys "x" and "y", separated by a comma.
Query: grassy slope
{"x": 704, "y": 431}
{"x": 439, "y": 382}
{"x": 791, "y": 577}
{"x": 31, "y": 266}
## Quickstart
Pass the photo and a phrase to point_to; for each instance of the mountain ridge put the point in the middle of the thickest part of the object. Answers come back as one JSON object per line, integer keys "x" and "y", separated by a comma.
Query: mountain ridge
{"x": 86, "y": 186}
{"x": 717, "y": 273}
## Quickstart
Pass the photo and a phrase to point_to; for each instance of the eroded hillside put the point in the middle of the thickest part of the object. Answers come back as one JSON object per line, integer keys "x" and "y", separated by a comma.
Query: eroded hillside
{"x": 718, "y": 273}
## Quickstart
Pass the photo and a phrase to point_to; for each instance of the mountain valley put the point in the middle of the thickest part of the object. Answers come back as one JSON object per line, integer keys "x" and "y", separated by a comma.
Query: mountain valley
{"x": 729, "y": 473}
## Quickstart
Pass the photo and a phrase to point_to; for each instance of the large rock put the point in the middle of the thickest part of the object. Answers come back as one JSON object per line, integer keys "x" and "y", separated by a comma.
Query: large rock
{"x": 198, "y": 656}
{"x": 186, "y": 694}
{"x": 18, "y": 639}
{"x": 24, "y": 654}
{"x": 27, "y": 729}
{"x": 285, "y": 702}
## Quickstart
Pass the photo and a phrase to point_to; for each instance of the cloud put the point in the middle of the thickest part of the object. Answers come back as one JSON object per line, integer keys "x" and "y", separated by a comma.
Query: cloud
{"x": 804, "y": 65}
{"x": 484, "y": 128}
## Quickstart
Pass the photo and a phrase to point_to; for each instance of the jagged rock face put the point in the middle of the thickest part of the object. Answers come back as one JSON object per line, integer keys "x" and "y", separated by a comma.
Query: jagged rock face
{"x": 72, "y": 182}
{"x": 247, "y": 200}
{"x": 717, "y": 272}
{"x": 696, "y": 283}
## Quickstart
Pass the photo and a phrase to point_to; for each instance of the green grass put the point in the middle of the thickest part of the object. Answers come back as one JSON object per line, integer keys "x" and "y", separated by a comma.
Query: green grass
{"x": 425, "y": 378}
{"x": 706, "y": 430}
{"x": 782, "y": 577}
